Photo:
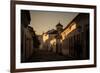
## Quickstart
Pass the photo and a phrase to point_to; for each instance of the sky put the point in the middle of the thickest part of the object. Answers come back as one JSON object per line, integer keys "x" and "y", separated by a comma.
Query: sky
{"x": 42, "y": 21}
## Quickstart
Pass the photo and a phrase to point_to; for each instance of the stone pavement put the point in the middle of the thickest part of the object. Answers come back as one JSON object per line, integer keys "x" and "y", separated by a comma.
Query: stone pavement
{"x": 44, "y": 56}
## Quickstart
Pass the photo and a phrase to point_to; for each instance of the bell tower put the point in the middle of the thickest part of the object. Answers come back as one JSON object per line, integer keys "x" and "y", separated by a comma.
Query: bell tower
{"x": 59, "y": 27}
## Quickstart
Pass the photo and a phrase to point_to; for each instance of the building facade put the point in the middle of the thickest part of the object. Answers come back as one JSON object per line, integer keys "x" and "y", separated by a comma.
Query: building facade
{"x": 27, "y": 34}
{"x": 73, "y": 40}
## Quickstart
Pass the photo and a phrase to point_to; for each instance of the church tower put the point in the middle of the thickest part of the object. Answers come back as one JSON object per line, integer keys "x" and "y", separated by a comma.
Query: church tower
{"x": 59, "y": 27}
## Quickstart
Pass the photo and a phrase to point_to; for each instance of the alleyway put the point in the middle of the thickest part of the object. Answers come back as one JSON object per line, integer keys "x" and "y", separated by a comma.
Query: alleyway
{"x": 44, "y": 56}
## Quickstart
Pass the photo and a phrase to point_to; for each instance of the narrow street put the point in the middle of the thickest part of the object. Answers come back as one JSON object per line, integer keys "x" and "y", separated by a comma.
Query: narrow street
{"x": 44, "y": 56}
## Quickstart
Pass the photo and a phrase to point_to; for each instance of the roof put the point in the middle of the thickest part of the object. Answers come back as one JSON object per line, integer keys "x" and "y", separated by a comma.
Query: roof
{"x": 52, "y": 31}
{"x": 70, "y": 22}
{"x": 59, "y": 24}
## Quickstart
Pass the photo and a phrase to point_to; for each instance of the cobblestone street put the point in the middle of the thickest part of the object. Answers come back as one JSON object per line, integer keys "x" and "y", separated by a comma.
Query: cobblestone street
{"x": 44, "y": 56}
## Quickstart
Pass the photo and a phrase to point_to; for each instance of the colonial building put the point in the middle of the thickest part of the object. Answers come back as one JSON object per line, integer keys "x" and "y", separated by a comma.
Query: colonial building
{"x": 52, "y": 39}
{"x": 75, "y": 37}
{"x": 49, "y": 39}
{"x": 26, "y": 36}
{"x": 72, "y": 41}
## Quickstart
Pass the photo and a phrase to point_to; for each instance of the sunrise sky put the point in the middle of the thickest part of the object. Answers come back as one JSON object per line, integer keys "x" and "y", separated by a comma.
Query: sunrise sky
{"x": 42, "y": 21}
